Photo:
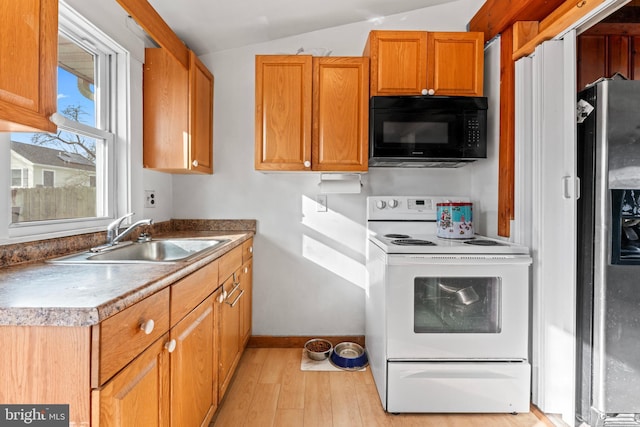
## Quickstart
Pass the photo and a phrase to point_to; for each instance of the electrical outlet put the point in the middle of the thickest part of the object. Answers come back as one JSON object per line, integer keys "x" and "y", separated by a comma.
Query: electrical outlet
{"x": 321, "y": 202}
{"x": 149, "y": 199}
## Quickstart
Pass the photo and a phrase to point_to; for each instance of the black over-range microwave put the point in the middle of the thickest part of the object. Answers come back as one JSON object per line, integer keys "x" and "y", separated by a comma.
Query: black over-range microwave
{"x": 427, "y": 131}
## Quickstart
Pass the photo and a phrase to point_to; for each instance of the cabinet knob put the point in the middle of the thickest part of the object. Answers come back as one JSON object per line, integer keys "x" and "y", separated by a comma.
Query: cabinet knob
{"x": 250, "y": 249}
{"x": 195, "y": 163}
{"x": 246, "y": 270}
{"x": 170, "y": 345}
{"x": 147, "y": 327}
{"x": 428, "y": 91}
{"x": 307, "y": 163}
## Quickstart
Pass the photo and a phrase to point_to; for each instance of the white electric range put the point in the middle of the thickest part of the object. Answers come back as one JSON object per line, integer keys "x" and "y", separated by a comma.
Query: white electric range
{"x": 446, "y": 319}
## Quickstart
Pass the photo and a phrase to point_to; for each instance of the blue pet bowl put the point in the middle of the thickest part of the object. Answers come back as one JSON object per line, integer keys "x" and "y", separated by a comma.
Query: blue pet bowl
{"x": 349, "y": 356}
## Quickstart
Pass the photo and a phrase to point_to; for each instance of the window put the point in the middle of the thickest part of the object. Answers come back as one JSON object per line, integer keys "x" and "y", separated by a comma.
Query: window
{"x": 48, "y": 179}
{"x": 19, "y": 178}
{"x": 73, "y": 171}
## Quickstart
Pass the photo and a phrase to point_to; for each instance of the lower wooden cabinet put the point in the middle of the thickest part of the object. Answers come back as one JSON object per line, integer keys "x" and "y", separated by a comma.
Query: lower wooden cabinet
{"x": 165, "y": 361}
{"x": 193, "y": 400}
{"x": 246, "y": 280}
{"x": 235, "y": 312}
{"x": 139, "y": 394}
{"x": 172, "y": 383}
{"x": 229, "y": 331}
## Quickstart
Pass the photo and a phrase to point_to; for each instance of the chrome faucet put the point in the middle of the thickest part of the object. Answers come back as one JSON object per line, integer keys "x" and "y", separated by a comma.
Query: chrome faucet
{"x": 128, "y": 231}
{"x": 113, "y": 237}
{"x": 112, "y": 229}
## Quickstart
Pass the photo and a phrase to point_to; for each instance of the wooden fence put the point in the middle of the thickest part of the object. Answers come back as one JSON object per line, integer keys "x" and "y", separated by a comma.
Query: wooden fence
{"x": 37, "y": 204}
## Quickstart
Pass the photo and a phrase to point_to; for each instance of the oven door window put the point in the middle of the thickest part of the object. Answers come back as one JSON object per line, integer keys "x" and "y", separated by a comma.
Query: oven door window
{"x": 457, "y": 305}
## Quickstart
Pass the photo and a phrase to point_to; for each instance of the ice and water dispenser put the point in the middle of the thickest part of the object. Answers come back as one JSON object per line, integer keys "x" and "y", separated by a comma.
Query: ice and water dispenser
{"x": 625, "y": 226}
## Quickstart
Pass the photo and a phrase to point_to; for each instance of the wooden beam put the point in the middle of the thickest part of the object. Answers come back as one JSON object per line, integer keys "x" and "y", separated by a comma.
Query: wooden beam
{"x": 563, "y": 17}
{"x": 495, "y": 16}
{"x": 147, "y": 17}
{"x": 523, "y": 32}
{"x": 506, "y": 157}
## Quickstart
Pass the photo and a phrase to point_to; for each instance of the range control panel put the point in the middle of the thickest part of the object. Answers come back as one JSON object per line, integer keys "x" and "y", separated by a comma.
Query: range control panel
{"x": 406, "y": 208}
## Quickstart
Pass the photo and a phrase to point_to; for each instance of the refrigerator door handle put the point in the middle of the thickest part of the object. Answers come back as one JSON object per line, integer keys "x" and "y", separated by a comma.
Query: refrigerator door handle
{"x": 578, "y": 194}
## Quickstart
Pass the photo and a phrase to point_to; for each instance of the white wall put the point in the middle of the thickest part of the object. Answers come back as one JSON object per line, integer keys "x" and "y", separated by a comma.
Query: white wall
{"x": 309, "y": 270}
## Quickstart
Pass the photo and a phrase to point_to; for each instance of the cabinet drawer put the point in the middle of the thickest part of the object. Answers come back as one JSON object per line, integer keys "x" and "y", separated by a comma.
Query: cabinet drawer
{"x": 121, "y": 337}
{"x": 247, "y": 250}
{"x": 187, "y": 293}
{"x": 229, "y": 263}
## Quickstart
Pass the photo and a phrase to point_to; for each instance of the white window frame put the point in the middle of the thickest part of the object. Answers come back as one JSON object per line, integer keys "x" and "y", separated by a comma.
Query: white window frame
{"x": 117, "y": 145}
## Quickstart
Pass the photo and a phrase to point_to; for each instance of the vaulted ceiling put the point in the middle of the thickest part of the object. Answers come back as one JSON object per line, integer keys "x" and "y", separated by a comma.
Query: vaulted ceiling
{"x": 208, "y": 26}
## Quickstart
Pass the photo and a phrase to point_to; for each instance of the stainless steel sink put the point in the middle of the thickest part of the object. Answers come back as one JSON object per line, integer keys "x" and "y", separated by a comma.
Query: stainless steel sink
{"x": 153, "y": 251}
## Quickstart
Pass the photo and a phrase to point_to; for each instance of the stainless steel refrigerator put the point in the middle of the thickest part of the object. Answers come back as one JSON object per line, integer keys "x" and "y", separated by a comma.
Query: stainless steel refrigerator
{"x": 608, "y": 282}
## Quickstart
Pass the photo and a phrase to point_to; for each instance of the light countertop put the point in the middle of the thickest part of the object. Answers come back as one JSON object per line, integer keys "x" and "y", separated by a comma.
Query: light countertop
{"x": 46, "y": 294}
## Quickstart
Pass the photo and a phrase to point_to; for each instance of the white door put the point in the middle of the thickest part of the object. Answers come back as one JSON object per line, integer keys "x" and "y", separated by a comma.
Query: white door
{"x": 545, "y": 105}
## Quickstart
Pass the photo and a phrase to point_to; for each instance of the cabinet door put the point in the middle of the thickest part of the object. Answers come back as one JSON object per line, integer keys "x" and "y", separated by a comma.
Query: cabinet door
{"x": 229, "y": 330}
{"x": 246, "y": 284}
{"x": 192, "y": 400}
{"x": 139, "y": 394}
{"x": 201, "y": 115}
{"x": 283, "y": 112}
{"x": 398, "y": 62}
{"x": 455, "y": 63}
{"x": 29, "y": 51}
{"x": 166, "y": 112}
{"x": 340, "y": 114}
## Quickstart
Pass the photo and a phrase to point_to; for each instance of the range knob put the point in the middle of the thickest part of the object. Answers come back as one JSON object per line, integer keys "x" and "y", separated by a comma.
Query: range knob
{"x": 380, "y": 204}
{"x": 393, "y": 203}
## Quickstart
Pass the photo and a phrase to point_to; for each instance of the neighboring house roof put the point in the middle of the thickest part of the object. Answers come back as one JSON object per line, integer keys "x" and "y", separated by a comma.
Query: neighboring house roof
{"x": 40, "y": 155}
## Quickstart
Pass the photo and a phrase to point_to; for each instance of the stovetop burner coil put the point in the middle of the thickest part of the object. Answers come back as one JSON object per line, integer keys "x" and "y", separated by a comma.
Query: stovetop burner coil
{"x": 483, "y": 243}
{"x": 397, "y": 236}
{"x": 413, "y": 242}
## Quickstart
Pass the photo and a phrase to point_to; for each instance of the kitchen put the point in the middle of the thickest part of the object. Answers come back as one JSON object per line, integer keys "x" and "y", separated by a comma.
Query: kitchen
{"x": 312, "y": 255}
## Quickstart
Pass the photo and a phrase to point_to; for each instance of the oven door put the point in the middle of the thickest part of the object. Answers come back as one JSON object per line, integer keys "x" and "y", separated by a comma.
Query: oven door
{"x": 457, "y": 307}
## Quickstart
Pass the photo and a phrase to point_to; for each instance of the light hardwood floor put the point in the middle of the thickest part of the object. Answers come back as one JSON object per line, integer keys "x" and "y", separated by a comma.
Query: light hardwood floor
{"x": 269, "y": 389}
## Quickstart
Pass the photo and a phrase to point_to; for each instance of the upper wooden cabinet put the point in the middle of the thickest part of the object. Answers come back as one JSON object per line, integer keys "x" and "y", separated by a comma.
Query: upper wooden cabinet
{"x": 29, "y": 52}
{"x": 398, "y": 62}
{"x": 283, "y": 112}
{"x": 340, "y": 137}
{"x": 455, "y": 63}
{"x": 311, "y": 113}
{"x": 177, "y": 114}
{"x": 409, "y": 62}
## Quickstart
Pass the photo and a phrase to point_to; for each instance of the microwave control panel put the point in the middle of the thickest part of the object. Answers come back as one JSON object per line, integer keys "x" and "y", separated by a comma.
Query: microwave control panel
{"x": 473, "y": 132}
